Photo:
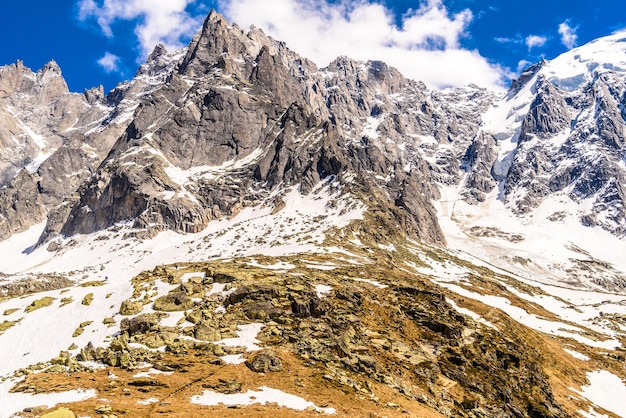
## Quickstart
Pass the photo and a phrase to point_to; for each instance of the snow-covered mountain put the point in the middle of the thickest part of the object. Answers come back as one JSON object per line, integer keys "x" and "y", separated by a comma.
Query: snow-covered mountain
{"x": 236, "y": 163}
{"x": 553, "y": 159}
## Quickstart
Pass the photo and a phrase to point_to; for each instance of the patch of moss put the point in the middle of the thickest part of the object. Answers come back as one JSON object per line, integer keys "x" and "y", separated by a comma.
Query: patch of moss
{"x": 66, "y": 301}
{"x": 81, "y": 328}
{"x": 6, "y": 325}
{"x": 93, "y": 283}
{"x": 39, "y": 303}
{"x": 10, "y": 311}
{"x": 87, "y": 299}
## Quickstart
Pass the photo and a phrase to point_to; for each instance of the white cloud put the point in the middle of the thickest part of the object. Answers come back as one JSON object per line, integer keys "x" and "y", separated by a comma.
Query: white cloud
{"x": 522, "y": 65}
{"x": 568, "y": 35}
{"x": 533, "y": 41}
{"x": 157, "y": 21}
{"x": 426, "y": 46}
{"x": 109, "y": 62}
{"x": 507, "y": 40}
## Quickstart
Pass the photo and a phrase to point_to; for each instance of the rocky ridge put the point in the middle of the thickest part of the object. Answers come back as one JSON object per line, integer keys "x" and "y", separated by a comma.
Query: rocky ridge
{"x": 218, "y": 126}
{"x": 378, "y": 343}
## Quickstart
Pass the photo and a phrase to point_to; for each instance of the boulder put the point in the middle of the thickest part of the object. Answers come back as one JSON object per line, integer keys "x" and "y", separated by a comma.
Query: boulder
{"x": 176, "y": 301}
{"x": 139, "y": 324}
{"x": 263, "y": 311}
{"x": 60, "y": 413}
{"x": 207, "y": 331}
{"x": 130, "y": 307}
{"x": 265, "y": 361}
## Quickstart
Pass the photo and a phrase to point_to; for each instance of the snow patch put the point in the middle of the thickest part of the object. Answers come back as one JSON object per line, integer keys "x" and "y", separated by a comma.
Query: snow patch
{"x": 12, "y": 403}
{"x": 246, "y": 337}
{"x": 148, "y": 401}
{"x": 279, "y": 265}
{"x": 322, "y": 290}
{"x": 263, "y": 396}
{"x": 374, "y": 283}
{"x": 471, "y": 314}
{"x": 577, "y": 355}
{"x": 606, "y": 391}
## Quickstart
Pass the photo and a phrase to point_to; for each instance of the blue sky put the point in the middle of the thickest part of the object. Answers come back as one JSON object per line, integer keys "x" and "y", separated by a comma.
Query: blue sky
{"x": 442, "y": 42}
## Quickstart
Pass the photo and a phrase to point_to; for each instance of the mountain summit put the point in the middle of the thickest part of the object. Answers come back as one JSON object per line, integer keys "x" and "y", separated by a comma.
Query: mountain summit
{"x": 236, "y": 226}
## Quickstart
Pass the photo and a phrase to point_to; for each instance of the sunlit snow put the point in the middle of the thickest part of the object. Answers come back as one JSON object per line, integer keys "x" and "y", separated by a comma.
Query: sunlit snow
{"x": 263, "y": 396}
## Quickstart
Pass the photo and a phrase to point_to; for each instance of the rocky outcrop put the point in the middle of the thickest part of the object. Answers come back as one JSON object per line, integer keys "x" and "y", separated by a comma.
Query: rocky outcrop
{"x": 405, "y": 337}
{"x": 548, "y": 113}
{"x": 265, "y": 362}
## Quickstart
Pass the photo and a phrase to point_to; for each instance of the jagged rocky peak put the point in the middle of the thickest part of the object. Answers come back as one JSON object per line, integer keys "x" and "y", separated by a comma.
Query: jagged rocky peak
{"x": 94, "y": 94}
{"x": 548, "y": 113}
{"x": 51, "y": 140}
{"x": 224, "y": 46}
{"x": 51, "y": 67}
{"x": 157, "y": 52}
{"x": 218, "y": 43}
{"x": 41, "y": 87}
{"x": 236, "y": 116}
{"x": 250, "y": 114}
{"x": 160, "y": 62}
{"x": 525, "y": 76}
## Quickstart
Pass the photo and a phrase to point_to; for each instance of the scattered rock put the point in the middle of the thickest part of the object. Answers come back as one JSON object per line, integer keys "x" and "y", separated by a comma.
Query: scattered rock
{"x": 265, "y": 361}
{"x": 87, "y": 299}
{"x": 39, "y": 303}
{"x": 35, "y": 409}
{"x": 225, "y": 386}
{"x": 103, "y": 409}
{"x": 146, "y": 381}
{"x": 140, "y": 324}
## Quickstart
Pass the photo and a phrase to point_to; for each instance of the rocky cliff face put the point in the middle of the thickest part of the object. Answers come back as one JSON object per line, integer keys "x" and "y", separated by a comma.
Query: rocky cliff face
{"x": 51, "y": 141}
{"x": 236, "y": 116}
{"x": 38, "y": 118}
{"x": 239, "y": 112}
